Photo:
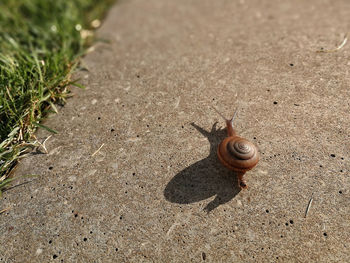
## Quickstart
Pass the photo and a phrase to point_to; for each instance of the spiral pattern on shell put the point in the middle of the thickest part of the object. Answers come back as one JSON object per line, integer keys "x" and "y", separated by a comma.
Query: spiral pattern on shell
{"x": 238, "y": 154}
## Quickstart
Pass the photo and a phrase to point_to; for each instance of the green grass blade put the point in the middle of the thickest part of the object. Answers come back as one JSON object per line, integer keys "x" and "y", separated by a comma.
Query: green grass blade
{"x": 45, "y": 127}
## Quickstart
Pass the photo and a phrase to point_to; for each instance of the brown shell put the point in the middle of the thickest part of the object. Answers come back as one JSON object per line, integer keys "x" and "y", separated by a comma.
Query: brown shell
{"x": 238, "y": 154}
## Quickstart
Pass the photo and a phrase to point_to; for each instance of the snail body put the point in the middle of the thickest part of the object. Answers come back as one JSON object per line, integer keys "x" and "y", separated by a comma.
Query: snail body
{"x": 237, "y": 153}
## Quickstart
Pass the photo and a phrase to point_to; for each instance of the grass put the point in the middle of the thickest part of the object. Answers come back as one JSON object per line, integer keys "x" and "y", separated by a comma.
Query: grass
{"x": 41, "y": 42}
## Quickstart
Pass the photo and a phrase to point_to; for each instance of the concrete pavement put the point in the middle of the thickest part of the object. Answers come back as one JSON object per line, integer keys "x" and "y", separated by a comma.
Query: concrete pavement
{"x": 133, "y": 176}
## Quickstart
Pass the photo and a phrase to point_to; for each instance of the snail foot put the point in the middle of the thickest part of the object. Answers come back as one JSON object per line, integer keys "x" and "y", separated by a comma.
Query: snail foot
{"x": 242, "y": 185}
{"x": 241, "y": 182}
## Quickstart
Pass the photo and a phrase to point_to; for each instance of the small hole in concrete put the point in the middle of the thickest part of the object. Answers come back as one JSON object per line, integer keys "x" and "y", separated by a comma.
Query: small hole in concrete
{"x": 291, "y": 221}
{"x": 54, "y": 256}
{"x": 287, "y": 224}
{"x": 340, "y": 192}
{"x": 275, "y": 102}
{"x": 112, "y": 130}
{"x": 99, "y": 118}
{"x": 267, "y": 211}
{"x": 325, "y": 234}
{"x": 85, "y": 239}
{"x": 333, "y": 155}
{"x": 51, "y": 167}
{"x": 204, "y": 256}
{"x": 291, "y": 64}
{"x": 50, "y": 241}
{"x": 116, "y": 249}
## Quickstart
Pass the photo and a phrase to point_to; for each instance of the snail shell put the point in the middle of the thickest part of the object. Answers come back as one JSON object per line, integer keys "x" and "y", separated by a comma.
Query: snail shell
{"x": 238, "y": 154}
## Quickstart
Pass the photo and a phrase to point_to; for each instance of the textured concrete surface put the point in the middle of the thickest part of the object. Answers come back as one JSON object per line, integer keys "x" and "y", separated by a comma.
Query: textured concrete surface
{"x": 155, "y": 191}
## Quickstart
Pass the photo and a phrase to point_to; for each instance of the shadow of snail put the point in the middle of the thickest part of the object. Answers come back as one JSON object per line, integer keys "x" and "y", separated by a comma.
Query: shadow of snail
{"x": 205, "y": 178}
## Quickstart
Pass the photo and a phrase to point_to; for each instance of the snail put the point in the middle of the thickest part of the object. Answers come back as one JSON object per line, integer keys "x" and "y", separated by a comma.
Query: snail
{"x": 236, "y": 153}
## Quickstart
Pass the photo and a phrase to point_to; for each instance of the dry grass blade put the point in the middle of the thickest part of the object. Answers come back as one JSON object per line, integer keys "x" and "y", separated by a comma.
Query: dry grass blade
{"x": 336, "y": 49}
{"x": 42, "y": 145}
{"x": 4, "y": 210}
{"x": 98, "y": 150}
{"x": 309, "y": 205}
